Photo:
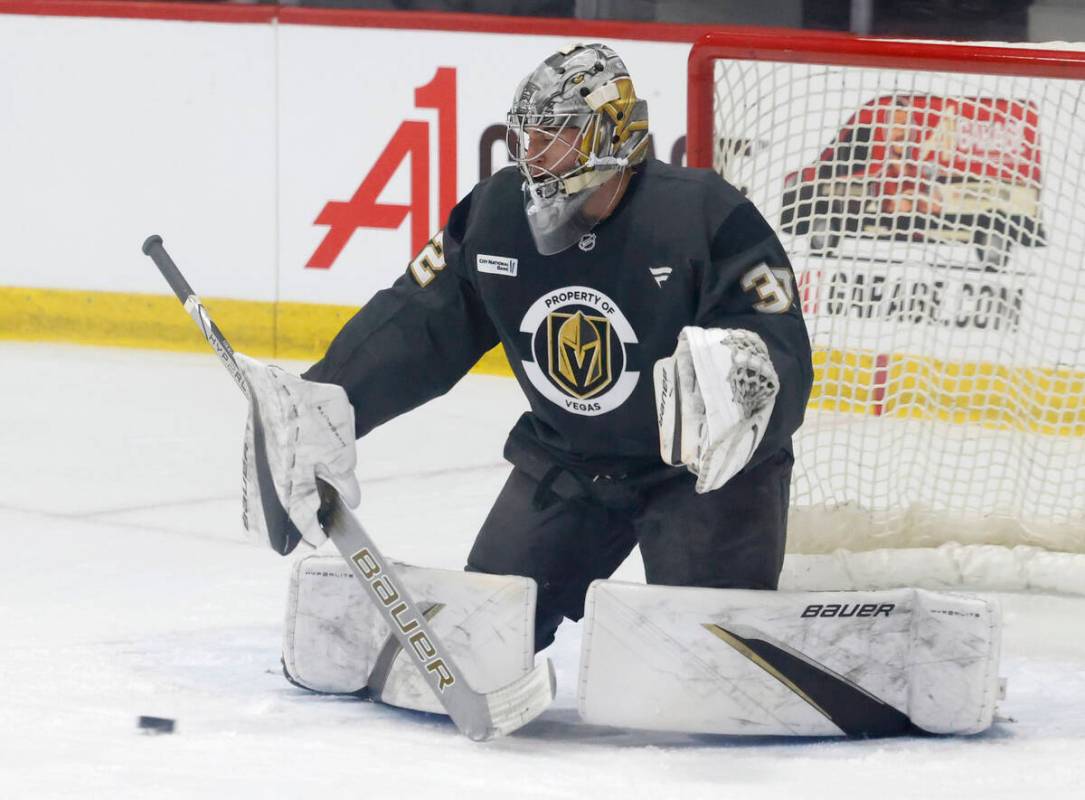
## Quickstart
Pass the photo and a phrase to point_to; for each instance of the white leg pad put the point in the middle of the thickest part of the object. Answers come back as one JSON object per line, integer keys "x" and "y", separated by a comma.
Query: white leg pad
{"x": 335, "y": 641}
{"x": 801, "y": 664}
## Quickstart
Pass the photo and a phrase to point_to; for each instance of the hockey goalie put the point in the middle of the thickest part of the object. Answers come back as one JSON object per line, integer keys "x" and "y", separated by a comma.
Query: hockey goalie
{"x": 648, "y": 313}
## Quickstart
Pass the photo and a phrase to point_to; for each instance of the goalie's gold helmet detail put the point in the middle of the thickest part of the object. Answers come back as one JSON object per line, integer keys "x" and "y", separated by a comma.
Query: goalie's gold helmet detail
{"x": 575, "y": 123}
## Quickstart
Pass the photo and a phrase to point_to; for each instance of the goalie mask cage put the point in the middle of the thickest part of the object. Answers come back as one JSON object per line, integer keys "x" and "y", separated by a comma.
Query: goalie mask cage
{"x": 932, "y": 198}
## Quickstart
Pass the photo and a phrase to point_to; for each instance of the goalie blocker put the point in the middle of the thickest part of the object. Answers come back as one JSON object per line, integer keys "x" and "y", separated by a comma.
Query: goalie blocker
{"x": 795, "y": 664}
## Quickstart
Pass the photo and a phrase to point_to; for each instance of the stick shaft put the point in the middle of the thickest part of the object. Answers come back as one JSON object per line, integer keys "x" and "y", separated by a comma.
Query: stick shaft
{"x": 153, "y": 247}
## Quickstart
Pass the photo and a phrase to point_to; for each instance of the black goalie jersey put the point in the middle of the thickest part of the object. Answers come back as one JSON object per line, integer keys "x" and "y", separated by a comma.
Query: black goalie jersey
{"x": 582, "y": 329}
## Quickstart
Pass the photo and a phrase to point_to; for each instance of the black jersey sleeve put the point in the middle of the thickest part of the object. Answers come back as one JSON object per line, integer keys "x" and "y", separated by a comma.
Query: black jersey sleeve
{"x": 413, "y": 341}
{"x": 749, "y": 284}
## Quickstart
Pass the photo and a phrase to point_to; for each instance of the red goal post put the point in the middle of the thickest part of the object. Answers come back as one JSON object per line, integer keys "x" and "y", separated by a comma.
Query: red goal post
{"x": 932, "y": 198}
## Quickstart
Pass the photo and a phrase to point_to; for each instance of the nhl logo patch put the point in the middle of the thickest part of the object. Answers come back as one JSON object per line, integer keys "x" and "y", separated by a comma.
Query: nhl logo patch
{"x": 587, "y": 242}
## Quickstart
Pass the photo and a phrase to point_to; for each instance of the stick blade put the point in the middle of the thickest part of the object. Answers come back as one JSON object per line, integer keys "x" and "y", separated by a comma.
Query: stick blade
{"x": 513, "y": 706}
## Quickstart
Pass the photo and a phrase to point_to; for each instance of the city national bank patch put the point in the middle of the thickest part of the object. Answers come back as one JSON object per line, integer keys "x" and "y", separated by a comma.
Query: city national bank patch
{"x": 496, "y": 265}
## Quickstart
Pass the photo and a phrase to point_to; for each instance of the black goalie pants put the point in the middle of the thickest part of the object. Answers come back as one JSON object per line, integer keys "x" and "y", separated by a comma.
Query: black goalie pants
{"x": 729, "y": 538}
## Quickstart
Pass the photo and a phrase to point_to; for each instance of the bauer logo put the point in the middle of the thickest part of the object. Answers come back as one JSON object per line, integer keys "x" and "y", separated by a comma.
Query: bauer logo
{"x": 496, "y": 265}
{"x": 848, "y": 610}
{"x": 580, "y": 343}
{"x": 387, "y": 596}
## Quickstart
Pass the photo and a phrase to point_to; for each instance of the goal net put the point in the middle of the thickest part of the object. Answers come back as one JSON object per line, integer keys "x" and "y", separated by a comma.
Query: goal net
{"x": 932, "y": 198}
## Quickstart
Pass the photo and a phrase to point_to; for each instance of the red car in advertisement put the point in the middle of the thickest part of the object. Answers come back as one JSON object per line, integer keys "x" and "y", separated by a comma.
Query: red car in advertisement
{"x": 925, "y": 168}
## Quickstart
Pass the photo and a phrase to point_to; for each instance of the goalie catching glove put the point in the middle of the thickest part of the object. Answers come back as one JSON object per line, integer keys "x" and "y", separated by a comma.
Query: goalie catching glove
{"x": 297, "y": 431}
{"x": 714, "y": 397}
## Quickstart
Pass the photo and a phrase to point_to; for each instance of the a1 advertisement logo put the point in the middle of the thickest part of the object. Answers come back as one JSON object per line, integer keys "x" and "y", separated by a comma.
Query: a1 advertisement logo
{"x": 410, "y": 142}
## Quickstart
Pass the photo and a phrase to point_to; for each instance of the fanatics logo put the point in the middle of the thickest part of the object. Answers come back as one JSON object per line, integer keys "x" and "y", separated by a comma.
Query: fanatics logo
{"x": 587, "y": 242}
{"x": 496, "y": 265}
{"x": 660, "y": 274}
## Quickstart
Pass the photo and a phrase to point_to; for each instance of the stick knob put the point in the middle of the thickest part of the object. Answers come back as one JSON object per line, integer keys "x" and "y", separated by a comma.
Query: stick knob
{"x": 154, "y": 240}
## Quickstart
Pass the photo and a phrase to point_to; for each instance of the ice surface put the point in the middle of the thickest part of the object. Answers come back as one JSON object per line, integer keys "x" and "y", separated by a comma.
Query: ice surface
{"x": 126, "y": 589}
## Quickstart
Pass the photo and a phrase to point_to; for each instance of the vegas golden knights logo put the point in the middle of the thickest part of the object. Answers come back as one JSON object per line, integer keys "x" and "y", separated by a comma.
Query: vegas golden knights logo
{"x": 579, "y": 352}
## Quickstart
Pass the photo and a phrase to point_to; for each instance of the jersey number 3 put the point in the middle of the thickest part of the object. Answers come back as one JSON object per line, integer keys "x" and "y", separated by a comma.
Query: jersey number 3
{"x": 772, "y": 288}
{"x": 429, "y": 261}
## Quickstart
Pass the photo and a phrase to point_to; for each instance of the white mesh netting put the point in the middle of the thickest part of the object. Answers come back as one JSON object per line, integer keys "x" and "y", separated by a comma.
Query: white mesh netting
{"x": 936, "y": 223}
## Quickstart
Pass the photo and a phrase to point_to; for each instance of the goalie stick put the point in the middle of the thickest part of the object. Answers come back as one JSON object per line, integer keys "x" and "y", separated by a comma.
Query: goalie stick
{"x": 480, "y": 716}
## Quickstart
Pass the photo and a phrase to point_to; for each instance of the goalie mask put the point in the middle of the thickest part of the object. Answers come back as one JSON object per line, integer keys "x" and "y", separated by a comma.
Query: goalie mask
{"x": 574, "y": 124}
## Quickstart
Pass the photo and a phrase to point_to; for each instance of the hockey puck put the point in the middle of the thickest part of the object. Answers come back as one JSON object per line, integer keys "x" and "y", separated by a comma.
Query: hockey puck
{"x": 156, "y": 724}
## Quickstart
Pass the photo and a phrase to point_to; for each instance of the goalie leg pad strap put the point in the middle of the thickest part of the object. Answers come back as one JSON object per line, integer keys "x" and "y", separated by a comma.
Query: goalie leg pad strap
{"x": 335, "y": 640}
{"x": 800, "y": 664}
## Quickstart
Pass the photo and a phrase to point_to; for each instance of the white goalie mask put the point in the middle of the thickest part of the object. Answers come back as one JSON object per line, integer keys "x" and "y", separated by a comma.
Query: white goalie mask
{"x": 575, "y": 123}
